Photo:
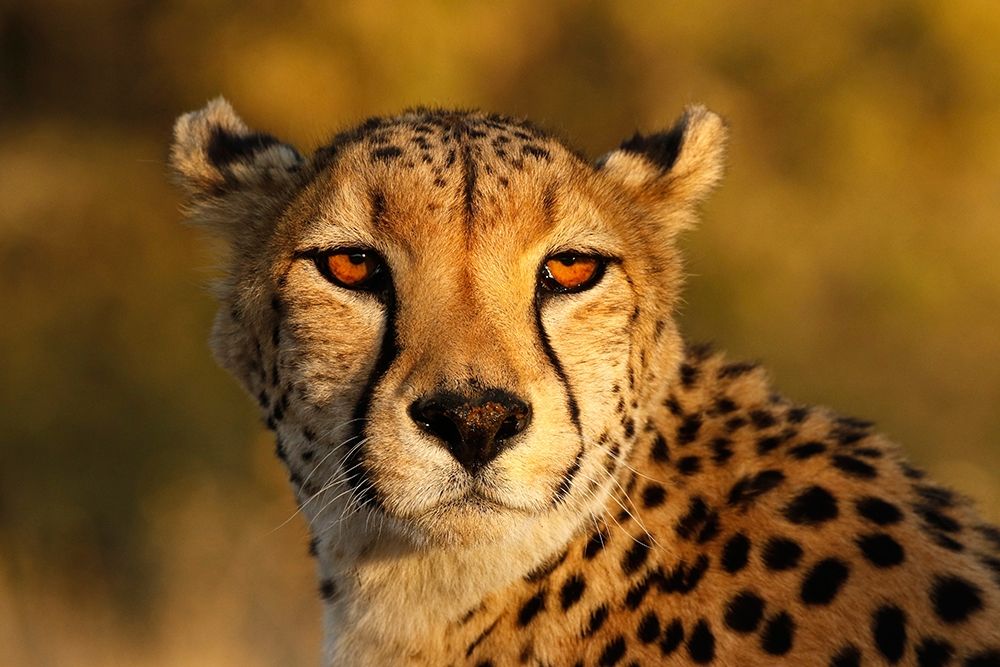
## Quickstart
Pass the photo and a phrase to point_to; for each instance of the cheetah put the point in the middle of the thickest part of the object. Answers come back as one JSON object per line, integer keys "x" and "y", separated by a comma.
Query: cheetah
{"x": 462, "y": 334}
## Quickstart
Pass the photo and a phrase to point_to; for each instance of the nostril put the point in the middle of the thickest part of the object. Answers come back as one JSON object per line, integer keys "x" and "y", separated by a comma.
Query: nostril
{"x": 474, "y": 429}
{"x": 436, "y": 420}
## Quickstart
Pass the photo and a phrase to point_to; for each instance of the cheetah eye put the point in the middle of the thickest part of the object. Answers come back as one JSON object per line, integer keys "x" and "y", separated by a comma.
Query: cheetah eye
{"x": 352, "y": 268}
{"x": 569, "y": 272}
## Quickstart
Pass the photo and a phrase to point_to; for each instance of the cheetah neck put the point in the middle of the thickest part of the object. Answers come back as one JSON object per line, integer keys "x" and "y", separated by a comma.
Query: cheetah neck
{"x": 389, "y": 592}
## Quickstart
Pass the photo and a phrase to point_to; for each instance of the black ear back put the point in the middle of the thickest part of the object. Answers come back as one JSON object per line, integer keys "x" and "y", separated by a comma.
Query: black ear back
{"x": 661, "y": 148}
{"x": 682, "y": 164}
{"x": 214, "y": 152}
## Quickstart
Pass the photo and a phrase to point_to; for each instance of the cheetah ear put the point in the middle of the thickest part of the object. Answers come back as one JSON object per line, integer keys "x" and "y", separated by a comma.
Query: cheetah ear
{"x": 215, "y": 154}
{"x": 680, "y": 166}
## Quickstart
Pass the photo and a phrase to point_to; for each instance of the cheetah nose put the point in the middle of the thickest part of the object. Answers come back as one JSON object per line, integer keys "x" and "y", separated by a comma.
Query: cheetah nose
{"x": 475, "y": 429}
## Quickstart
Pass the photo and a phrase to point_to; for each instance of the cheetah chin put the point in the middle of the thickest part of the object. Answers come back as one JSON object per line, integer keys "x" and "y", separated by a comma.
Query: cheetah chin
{"x": 462, "y": 333}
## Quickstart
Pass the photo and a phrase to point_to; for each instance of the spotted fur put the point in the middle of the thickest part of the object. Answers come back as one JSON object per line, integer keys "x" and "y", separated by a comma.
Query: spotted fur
{"x": 665, "y": 505}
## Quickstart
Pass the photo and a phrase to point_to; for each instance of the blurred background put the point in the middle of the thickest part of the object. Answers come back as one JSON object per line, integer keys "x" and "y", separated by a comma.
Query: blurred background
{"x": 853, "y": 248}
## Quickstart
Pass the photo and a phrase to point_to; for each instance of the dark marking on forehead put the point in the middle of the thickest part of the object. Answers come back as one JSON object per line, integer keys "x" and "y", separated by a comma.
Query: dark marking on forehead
{"x": 378, "y": 207}
{"x": 469, "y": 176}
{"x": 549, "y": 201}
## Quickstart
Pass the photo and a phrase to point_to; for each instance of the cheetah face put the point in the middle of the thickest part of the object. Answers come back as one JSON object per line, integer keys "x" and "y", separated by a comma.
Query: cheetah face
{"x": 447, "y": 317}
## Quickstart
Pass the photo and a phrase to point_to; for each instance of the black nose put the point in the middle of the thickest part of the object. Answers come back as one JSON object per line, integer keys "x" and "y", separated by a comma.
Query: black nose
{"x": 476, "y": 428}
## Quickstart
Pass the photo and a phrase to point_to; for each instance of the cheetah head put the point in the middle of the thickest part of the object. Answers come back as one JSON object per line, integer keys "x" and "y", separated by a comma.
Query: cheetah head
{"x": 452, "y": 321}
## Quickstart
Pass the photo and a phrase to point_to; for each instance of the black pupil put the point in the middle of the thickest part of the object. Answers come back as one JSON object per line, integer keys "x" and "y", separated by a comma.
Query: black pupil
{"x": 357, "y": 258}
{"x": 567, "y": 261}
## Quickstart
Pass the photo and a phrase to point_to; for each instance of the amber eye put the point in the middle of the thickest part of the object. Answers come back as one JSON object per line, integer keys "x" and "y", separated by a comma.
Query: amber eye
{"x": 353, "y": 268}
{"x": 570, "y": 272}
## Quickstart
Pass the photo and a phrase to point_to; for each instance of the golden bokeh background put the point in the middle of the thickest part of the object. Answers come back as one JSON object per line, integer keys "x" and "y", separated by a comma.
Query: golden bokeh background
{"x": 853, "y": 248}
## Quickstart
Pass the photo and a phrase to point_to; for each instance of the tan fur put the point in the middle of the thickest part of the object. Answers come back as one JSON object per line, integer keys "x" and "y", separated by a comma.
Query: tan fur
{"x": 420, "y": 562}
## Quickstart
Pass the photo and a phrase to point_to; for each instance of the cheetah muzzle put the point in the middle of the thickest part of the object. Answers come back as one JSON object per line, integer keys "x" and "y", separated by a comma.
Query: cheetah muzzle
{"x": 462, "y": 334}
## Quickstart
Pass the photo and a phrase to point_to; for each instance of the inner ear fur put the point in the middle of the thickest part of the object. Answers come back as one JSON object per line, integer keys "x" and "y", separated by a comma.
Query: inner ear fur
{"x": 673, "y": 170}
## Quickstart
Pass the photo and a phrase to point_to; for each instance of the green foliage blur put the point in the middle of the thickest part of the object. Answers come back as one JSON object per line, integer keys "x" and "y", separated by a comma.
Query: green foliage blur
{"x": 853, "y": 248}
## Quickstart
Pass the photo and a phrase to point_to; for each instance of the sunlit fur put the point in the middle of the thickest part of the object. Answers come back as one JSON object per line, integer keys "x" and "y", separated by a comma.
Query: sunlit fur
{"x": 465, "y": 208}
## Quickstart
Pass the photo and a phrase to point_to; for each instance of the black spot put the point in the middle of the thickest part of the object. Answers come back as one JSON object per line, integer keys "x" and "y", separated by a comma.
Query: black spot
{"x": 653, "y": 495}
{"x": 687, "y": 432}
{"x": 823, "y": 581}
{"x": 744, "y": 611}
{"x": 936, "y": 520}
{"x": 674, "y": 407}
{"x": 781, "y": 554}
{"x": 798, "y": 415}
{"x": 689, "y": 465}
{"x": 571, "y": 591}
{"x": 990, "y": 658}
{"x": 689, "y": 375}
{"x": 721, "y": 450}
{"x": 769, "y": 444}
{"x": 807, "y": 450}
{"x": 936, "y": 496}
{"x": 878, "y": 511}
{"x": 327, "y": 590}
{"x": 613, "y": 652}
{"x": 724, "y": 405}
{"x": 748, "y": 489}
{"x": 649, "y": 628}
{"x": 386, "y": 153}
{"x": 933, "y": 652}
{"x": 531, "y": 608}
{"x": 778, "y": 634}
{"x": 314, "y": 547}
{"x": 811, "y": 507}
{"x": 693, "y": 520}
{"x": 660, "y": 452}
{"x": 762, "y": 419}
{"x": 735, "y": 553}
{"x": 597, "y": 618}
{"x": 595, "y": 544}
{"x": 881, "y": 550}
{"x": 848, "y": 656}
{"x": 635, "y": 557}
{"x": 735, "y": 370}
{"x": 672, "y": 637}
{"x": 946, "y": 542}
{"x": 854, "y": 467}
{"x": 734, "y": 423}
{"x": 683, "y": 578}
{"x": 701, "y": 643}
{"x": 889, "y": 632}
{"x": 869, "y": 452}
{"x": 225, "y": 147}
{"x": 955, "y": 598}
{"x": 638, "y": 592}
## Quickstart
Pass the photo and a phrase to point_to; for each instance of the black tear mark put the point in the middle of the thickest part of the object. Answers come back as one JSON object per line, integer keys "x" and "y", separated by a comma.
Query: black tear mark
{"x": 355, "y": 471}
{"x": 224, "y": 147}
{"x": 571, "y": 405}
